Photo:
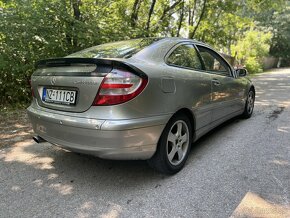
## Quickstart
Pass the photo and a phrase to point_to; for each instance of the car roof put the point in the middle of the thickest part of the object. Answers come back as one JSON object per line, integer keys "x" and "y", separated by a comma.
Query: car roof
{"x": 159, "y": 48}
{"x": 176, "y": 39}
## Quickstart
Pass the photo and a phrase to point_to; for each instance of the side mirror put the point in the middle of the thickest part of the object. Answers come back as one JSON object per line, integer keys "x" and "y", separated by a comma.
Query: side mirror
{"x": 241, "y": 72}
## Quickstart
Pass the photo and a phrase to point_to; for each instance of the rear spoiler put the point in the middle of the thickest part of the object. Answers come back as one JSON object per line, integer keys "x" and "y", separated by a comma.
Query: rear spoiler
{"x": 61, "y": 62}
{"x": 102, "y": 65}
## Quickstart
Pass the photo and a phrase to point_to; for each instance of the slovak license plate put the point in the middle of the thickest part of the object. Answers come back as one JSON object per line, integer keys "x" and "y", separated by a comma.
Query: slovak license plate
{"x": 59, "y": 96}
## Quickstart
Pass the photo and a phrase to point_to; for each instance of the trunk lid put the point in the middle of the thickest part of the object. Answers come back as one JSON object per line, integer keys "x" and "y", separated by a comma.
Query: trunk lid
{"x": 70, "y": 84}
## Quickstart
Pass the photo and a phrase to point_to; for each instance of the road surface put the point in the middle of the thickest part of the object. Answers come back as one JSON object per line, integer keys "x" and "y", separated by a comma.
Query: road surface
{"x": 241, "y": 169}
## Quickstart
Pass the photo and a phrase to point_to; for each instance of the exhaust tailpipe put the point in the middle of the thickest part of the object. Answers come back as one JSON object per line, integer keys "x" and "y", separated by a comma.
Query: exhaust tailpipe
{"x": 38, "y": 139}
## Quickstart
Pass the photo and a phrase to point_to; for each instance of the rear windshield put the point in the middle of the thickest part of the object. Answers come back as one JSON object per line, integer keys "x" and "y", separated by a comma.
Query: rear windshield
{"x": 121, "y": 49}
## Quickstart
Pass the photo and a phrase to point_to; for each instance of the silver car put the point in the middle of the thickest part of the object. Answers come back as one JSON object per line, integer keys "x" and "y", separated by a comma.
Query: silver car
{"x": 143, "y": 99}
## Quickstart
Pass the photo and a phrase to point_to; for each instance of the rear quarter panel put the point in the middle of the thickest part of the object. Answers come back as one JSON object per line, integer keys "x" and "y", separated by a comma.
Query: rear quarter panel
{"x": 192, "y": 91}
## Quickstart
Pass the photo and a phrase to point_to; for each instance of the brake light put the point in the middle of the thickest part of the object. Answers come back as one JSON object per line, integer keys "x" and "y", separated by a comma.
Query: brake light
{"x": 119, "y": 86}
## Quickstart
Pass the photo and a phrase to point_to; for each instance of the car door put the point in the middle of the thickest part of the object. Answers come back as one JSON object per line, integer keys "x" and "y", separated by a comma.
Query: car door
{"x": 224, "y": 92}
{"x": 196, "y": 83}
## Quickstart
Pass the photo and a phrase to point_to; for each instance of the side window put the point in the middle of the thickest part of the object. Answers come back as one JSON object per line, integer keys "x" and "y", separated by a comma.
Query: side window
{"x": 213, "y": 62}
{"x": 185, "y": 56}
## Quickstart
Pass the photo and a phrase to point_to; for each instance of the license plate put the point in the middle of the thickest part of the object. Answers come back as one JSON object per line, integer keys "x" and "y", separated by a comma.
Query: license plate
{"x": 59, "y": 96}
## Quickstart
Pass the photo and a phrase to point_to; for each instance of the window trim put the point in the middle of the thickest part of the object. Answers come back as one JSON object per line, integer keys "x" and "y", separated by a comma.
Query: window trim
{"x": 219, "y": 56}
{"x": 183, "y": 67}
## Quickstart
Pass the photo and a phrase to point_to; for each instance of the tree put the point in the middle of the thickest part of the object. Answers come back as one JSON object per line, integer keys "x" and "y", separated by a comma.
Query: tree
{"x": 57, "y": 28}
{"x": 250, "y": 49}
{"x": 150, "y": 14}
{"x": 194, "y": 18}
{"x": 281, "y": 40}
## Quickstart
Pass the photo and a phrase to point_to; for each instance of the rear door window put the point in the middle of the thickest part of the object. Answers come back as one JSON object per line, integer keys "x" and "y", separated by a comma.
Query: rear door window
{"x": 185, "y": 56}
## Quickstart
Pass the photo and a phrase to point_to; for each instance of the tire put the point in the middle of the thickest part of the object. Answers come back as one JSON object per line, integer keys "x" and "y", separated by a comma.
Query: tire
{"x": 173, "y": 146}
{"x": 249, "y": 106}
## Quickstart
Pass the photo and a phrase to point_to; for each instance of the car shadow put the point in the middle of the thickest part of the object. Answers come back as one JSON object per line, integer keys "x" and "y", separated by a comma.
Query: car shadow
{"x": 203, "y": 142}
{"x": 50, "y": 167}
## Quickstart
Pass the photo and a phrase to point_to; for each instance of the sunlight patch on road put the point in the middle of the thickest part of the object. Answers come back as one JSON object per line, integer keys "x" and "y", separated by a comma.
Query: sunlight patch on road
{"x": 279, "y": 103}
{"x": 52, "y": 176}
{"x": 281, "y": 162}
{"x": 113, "y": 212}
{"x": 38, "y": 182}
{"x": 253, "y": 205}
{"x": 15, "y": 188}
{"x": 19, "y": 153}
{"x": 62, "y": 189}
{"x": 285, "y": 129}
{"x": 85, "y": 209}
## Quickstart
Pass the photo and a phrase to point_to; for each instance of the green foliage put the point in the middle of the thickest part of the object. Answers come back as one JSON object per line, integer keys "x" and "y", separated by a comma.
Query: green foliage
{"x": 250, "y": 49}
{"x": 31, "y": 30}
{"x": 253, "y": 65}
{"x": 38, "y": 29}
{"x": 281, "y": 28}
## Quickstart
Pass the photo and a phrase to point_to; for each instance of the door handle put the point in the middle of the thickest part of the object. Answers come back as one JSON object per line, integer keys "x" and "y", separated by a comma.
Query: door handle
{"x": 216, "y": 82}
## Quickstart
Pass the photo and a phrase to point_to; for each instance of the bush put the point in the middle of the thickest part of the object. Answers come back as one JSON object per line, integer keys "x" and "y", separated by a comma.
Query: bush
{"x": 40, "y": 29}
{"x": 251, "y": 48}
{"x": 253, "y": 65}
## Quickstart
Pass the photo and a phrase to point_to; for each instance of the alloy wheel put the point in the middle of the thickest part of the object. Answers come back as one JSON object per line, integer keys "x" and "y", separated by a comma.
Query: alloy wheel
{"x": 250, "y": 102}
{"x": 177, "y": 142}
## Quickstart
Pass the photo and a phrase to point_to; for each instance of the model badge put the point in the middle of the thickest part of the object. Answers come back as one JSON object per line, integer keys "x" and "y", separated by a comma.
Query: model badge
{"x": 82, "y": 82}
{"x": 53, "y": 80}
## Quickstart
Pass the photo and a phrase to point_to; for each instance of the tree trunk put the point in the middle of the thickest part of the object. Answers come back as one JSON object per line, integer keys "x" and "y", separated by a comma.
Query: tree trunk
{"x": 191, "y": 34}
{"x": 70, "y": 36}
{"x": 76, "y": 9}
{"x": 167, "y": 9}
{"x": 181, "y": 16}
{"x": 135, "y": 11}
{"x": 191, "y": 14}
{"x": 149, "y": 16}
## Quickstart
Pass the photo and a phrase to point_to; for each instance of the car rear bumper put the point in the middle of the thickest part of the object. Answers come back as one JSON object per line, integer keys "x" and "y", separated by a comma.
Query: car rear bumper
{"x": 109, "y": 139}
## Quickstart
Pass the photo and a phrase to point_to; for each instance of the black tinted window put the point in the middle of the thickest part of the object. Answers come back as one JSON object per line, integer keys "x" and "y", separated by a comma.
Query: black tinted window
{"x": 185, "y": 56}
{"x": 121, "y": 49}
{"x": 213, "y": 62}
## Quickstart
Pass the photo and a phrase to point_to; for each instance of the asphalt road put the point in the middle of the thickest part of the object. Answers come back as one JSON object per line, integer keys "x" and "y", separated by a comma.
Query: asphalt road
{"x": 241, "y": 169}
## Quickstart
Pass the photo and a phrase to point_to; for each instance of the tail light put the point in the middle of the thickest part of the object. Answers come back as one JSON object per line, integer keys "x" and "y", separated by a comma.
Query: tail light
{"x": 119, "y": 86}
